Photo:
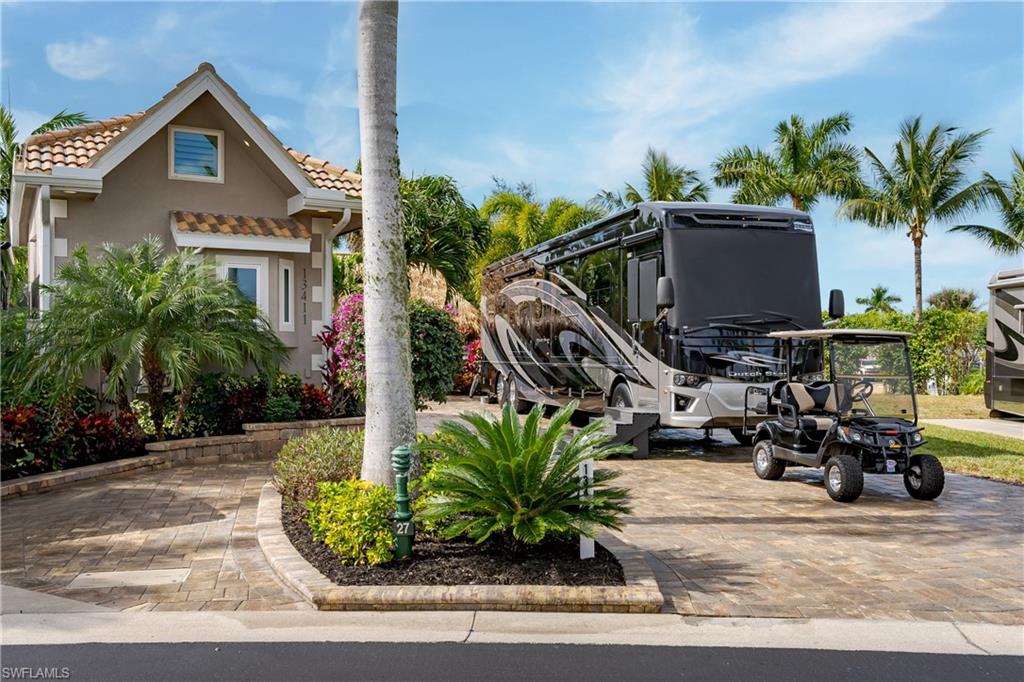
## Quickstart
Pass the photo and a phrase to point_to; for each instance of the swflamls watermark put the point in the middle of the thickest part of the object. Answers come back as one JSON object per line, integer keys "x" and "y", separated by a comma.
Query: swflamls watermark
{"x": 10, "y": 672}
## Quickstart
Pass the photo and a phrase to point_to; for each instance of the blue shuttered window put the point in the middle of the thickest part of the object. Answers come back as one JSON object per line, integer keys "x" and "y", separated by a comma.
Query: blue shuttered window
{"x": 196, "y": 154}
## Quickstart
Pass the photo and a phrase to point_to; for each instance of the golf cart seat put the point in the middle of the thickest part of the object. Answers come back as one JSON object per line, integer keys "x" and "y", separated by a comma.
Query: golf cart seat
{"x": 811, "y": 402}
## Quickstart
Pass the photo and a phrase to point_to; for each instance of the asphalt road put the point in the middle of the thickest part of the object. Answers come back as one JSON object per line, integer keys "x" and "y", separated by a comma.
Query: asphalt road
{"x": 396, "y": 661}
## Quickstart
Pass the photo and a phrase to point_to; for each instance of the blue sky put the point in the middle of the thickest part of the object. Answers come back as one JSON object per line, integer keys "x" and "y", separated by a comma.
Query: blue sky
{"x": 567, "y": 95}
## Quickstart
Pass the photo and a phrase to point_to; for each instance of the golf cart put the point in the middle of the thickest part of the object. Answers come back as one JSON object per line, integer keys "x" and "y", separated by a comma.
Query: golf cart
{"x": 862, "y": 419}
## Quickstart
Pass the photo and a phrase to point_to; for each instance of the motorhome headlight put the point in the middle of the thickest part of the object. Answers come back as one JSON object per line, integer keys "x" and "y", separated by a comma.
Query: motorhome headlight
{"x": 918, "y": 437}
{"x": 679, "y": 380}
{"x": 689, "y": 380}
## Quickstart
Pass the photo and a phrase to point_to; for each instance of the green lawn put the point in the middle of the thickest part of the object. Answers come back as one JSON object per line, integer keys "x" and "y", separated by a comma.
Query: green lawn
{"x": 951, "y": 406}
{"x": 978, "y": 454}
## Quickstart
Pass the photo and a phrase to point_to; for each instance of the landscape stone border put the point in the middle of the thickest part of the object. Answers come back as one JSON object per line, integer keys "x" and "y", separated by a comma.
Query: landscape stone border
{"x": 260, "y": 441}
{"x": 640, "y": 594}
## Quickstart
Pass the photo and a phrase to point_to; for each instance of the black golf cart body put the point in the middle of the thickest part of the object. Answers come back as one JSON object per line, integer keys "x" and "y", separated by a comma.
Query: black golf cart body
{"x": 817, "y": 421}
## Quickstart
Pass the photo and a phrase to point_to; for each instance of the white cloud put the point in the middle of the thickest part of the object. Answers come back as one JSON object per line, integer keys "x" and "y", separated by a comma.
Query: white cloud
{"x": 330, "y": 115}
{"x": 276, "y": 122}
{"x": 660, "y": 91}
{"x": 84, "y": 60}
{"x": 268, "y": 82}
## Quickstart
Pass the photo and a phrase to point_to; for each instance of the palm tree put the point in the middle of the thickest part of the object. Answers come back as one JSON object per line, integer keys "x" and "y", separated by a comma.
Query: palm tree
{"x": 806, "y": 164}
{"x": 1009, "y": 200}
{"x": 926, "y": 182}
{"x": 663, "y": 181}
{"x": 390, "y": 408}
{"x": 518, "y": 220}
{"x": 136, "y": 309}
{"x": 954, "y": 299}
{"x": 442, "y": 232}
{"x": 14, "y": 261}
{"x": 879, "y": 300}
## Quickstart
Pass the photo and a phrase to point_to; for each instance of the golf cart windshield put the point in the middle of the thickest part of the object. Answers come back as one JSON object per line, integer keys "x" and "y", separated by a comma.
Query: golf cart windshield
{"x": 873, "y": 377}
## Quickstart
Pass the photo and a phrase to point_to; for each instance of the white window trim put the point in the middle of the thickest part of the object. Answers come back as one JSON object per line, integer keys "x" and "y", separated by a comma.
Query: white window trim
{"x": 282, "y": 295}
{"x": 262, "y": 265}
{"x": 202, "y": 131}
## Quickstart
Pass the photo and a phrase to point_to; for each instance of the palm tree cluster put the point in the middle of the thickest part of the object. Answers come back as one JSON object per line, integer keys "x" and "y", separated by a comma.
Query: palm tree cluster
{"x": 518, "y": 220}
{"x": 134, "y": 313}
{"x": 663, "y": 181}
{"x": 879, "y": 300}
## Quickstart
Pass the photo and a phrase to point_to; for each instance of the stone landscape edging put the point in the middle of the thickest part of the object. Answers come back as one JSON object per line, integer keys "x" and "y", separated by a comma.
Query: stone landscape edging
{"x": 640, "y": 594}
{"x": 260, "y": 441}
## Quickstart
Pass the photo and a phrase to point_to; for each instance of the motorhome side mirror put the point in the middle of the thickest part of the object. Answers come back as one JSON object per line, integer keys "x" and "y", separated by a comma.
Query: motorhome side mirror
{"x": 836, "y": 304}
{"x": 666, "y": 293}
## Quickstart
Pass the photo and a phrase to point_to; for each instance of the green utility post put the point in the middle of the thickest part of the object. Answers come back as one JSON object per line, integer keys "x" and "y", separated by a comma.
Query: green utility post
{"x": 404, "y": 528}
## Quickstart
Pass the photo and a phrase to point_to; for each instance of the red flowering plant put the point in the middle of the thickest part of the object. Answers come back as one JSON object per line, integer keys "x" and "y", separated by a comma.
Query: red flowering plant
{"x": 25, "y": 446}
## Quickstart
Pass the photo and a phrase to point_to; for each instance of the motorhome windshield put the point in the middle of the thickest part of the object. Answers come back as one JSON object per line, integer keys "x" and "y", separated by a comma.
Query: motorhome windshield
{"x": 762, "y": 277}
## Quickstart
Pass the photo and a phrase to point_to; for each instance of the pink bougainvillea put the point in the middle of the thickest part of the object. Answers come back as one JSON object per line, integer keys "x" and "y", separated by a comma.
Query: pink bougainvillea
{"x": 349, "y": 345}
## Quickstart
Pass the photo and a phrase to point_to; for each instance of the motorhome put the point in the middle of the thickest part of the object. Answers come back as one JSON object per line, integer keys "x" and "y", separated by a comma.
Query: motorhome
{"x": 663, "y": 306}
{"x": 1004, "y": 344}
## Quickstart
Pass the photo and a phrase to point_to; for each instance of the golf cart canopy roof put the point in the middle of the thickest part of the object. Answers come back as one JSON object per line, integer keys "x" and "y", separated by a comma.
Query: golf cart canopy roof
{"x": 840, "y": 333}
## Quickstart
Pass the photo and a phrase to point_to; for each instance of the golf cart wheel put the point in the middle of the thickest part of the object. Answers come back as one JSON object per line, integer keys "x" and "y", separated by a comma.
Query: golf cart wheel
{"x": 744, "y": 439}
{"x": 924, "y": 477}
{"x": 765, "y": 465}
{"x": 512, "y": 396}
{"x": 844, "y": 479}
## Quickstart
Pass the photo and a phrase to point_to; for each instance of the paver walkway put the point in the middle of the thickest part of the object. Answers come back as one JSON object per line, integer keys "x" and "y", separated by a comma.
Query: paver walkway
{"x": 721, "y": 541}
{"x": 998, "y": 427}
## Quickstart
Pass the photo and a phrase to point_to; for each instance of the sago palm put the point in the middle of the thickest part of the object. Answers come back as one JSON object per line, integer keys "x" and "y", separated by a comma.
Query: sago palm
{"x": 879, "y": 300}
{"x": 1008, "y": 198}
{"x": 926, "y": 182}
{"x": 517, "y": 481}
{"x": 806, "y": 164}
{"x": 663, "y": 181}
{"x": 135, "y": 311}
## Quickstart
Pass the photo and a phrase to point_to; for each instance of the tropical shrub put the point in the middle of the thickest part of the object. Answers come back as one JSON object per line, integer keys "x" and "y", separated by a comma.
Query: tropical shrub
{"x": 281, "y": 408}
{"x": 37, "y": 439}
{"x": 521, "y": 483}
{"x": 322, "y": 455}
{"x": 436, "y": 352}
{"x": 946, "y": 346}
{"x": 314, "y": 403}
{"x": 353, "y": 519}
{"x": 472, "y": 354}
{"x": 973, "y": 383}
{"x": 135, "y": 310}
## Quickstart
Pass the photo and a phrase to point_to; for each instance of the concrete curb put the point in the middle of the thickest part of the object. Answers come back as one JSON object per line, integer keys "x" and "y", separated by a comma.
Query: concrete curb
{"x": 639, "y": 595}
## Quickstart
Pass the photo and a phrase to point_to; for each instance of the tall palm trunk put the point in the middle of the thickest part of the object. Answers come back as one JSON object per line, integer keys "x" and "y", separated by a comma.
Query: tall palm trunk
{"x": 390, "y": 411}
{"x": 918, "y": 238}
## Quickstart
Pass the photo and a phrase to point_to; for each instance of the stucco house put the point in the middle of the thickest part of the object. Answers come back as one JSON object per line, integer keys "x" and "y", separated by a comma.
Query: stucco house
{"x": 198, "y": 169}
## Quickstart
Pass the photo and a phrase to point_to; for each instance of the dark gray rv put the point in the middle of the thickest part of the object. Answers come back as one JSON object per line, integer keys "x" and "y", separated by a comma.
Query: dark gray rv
{"x": 663, "y": 306}
{"x": 1004, "y": 346}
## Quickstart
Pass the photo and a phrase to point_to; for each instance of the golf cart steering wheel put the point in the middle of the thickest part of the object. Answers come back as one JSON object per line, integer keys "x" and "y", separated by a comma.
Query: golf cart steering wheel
{"x": 861, "y": 390}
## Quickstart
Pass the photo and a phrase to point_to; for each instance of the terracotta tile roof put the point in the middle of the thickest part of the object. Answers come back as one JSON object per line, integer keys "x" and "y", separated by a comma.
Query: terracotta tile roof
{"x": 77, "y": 147}
{"x": 326, "y": 175}
{"x": 246, "y": 226}
{"x": 72, "y": 147}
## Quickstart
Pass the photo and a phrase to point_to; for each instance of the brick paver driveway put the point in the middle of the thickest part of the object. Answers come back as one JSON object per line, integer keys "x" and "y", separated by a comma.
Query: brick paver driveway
{"x": 201, "y": 518}
{"x": 721, "y": 541}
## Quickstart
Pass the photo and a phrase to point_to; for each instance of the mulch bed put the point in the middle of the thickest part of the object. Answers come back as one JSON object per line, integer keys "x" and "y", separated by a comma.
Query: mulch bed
{"x": 462, "y": 562}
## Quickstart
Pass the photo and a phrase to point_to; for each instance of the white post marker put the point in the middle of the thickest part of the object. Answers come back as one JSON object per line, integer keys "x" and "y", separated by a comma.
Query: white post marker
{"x": 586, "y": 489}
